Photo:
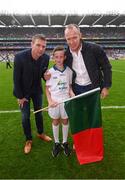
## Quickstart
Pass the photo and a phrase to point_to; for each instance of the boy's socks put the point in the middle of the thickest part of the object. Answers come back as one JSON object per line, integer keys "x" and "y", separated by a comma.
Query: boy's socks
{"x": 65, "y": 129}
{"x": 55, "y": 133}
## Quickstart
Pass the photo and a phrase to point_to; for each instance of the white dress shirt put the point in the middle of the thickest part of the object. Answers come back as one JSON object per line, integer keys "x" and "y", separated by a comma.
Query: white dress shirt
{"x": 82, "y": 77}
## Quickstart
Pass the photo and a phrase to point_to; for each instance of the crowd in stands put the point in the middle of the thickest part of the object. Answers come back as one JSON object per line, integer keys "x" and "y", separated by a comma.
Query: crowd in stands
{"x": 21, "y": 32}
{"x": 7, "y": 55}
{"x": 57, "y": 33}
{"x": 51, "y": 32}
{"x": 104, "y": 33}
{"x": 116, "y": 54}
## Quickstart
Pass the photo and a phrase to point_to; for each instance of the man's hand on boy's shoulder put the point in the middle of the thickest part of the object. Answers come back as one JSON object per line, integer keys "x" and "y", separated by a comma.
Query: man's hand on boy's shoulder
{"x": 47, "y": 75}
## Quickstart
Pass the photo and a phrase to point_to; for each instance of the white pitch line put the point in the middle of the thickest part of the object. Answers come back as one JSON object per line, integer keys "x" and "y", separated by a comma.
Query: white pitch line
{"x": 10, "y": 111}
{"x": 113, "y": 107}
{"x": 118, "y": 71}
{"x": 103, "y": 107}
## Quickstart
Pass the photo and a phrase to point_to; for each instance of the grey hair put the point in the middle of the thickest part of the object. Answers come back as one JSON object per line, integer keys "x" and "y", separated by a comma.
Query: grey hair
{"x": 71, "y": 26}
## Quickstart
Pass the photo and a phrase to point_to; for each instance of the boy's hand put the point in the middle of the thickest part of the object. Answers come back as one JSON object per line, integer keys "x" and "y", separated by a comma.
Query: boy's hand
{"x": 72, "y": 95}
{"x": 53, "y": 104}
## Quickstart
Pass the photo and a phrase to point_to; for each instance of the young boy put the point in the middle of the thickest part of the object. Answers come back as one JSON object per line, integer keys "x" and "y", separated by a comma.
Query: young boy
{"x": 58, "y": 88}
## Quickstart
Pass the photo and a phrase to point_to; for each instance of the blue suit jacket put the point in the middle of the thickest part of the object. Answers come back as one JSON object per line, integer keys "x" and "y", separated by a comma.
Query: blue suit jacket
{"x": 23, "y": 73}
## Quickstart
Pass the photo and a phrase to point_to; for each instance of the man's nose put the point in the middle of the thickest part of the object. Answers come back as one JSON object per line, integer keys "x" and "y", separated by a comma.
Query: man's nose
{"x": 71, "y": 42}
{"x": 41, "y": 48}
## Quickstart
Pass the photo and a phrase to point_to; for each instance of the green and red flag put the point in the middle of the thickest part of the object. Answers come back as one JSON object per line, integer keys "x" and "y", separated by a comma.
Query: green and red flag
{"x": 84, "y": 112}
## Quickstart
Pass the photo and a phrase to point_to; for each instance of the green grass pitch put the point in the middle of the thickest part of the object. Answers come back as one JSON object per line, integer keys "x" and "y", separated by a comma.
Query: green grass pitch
{"x": 40, "y": 164}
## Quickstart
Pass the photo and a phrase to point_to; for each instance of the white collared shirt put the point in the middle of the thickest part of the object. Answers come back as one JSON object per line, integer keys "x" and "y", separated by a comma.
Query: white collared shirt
{"x": 82, "y": 77}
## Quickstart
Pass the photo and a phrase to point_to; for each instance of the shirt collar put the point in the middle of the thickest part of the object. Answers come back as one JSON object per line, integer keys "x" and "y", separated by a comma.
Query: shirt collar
{"x": 73, "y": 53}
{"x": 56, "y": 69}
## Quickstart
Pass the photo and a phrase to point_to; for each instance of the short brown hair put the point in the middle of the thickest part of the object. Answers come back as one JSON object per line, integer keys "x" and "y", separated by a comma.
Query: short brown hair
{"x": 39, "y": 36}
{"x": 58, "y": 48}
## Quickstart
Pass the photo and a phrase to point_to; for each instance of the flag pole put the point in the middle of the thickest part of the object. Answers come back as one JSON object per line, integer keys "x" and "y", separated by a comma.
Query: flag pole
{"x": 81, "y": 95}
{"x": 39, "y": 110}
{"x": 69, "y": 99}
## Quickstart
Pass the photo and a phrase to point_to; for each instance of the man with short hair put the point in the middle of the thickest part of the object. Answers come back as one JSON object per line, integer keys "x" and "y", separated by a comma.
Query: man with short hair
{"x": 90, "y": 65}
{"x": 29, "y": 67}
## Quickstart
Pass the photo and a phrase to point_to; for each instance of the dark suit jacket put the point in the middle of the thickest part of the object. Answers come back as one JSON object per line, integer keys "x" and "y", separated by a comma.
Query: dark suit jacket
{"x": 23, "y": 73}
{"x": 96, "y": 62}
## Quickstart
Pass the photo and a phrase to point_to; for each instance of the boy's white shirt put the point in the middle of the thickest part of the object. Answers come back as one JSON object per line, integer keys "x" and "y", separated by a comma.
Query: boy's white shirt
{"x": 59, "y": 83}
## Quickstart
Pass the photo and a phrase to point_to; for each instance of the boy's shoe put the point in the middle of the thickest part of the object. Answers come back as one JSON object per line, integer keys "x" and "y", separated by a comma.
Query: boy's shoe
{"x": 56, "y": 149}
{"x": 67, "y": 150}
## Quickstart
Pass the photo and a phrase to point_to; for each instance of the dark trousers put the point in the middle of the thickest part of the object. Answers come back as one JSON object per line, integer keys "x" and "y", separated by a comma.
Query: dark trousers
{"x": 37, "y": 103}
{"x": 81, "y": 89}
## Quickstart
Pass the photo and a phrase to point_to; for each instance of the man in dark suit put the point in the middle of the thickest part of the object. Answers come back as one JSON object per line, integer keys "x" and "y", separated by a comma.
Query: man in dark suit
{"x": 90, "y": 65}
{"x": 29, "y": 67}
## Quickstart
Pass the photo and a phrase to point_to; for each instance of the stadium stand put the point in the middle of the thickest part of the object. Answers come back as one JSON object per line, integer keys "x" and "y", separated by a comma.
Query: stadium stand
{"x": 107, "y": 30}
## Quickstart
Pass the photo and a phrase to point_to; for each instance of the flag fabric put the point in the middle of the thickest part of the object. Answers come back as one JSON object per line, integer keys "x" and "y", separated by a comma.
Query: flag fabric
{"x": 86, "y": 127}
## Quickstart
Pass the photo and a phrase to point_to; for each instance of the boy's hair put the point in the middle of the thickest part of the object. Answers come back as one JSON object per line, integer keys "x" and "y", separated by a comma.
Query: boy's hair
{"x": 38, "y": 36}
{"x": 58, "y": 48}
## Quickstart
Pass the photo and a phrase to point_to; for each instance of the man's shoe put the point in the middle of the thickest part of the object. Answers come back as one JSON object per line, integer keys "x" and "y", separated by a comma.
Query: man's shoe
{"x": 28, "y": 146}
{"x": 44, "y": 137}
{"x": 56, "y": 149}
{"x": 67, "y": 150}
